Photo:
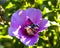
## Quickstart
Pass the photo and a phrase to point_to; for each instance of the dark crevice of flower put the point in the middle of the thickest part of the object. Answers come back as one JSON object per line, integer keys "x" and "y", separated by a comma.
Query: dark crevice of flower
{"x": 31, "y": 28}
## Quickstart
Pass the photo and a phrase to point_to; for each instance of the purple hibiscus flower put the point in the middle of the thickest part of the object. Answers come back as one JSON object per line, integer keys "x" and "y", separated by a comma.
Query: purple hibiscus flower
{"x": 26, "y": 24}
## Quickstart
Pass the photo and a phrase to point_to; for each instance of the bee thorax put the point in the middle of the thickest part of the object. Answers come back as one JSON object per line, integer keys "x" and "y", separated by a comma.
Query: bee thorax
{"x": 31, "y": 30}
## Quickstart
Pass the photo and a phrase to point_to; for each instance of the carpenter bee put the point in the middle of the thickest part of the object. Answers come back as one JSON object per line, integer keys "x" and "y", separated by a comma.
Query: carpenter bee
{"x": 31, "y": 30}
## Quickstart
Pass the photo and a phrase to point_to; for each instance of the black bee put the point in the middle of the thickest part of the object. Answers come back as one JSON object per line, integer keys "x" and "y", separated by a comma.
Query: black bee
{"x": 31, "y": 29}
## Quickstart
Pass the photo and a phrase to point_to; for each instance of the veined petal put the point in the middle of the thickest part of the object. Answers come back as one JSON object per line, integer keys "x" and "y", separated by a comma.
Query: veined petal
{"x": 18, "y": 18}
{"x": 43, "y": 24}
{"x": 34, "y": 15}
{"x": 29, "y": 41}
{"x": 13, "y": 31}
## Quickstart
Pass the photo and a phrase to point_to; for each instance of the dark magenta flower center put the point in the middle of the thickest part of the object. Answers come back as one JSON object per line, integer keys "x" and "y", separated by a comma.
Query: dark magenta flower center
{"x": 31, "y": 28}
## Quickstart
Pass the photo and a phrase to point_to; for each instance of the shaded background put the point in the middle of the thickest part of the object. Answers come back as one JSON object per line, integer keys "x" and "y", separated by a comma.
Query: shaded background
{"x": 49, "y": 38}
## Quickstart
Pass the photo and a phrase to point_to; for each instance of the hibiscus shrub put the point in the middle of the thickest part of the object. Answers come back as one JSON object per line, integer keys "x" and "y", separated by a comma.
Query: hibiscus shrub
{"x": 29, "y": 24}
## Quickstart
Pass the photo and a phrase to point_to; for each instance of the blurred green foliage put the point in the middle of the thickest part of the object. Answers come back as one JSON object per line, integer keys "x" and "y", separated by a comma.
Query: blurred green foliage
{"x": 49, "y": 38}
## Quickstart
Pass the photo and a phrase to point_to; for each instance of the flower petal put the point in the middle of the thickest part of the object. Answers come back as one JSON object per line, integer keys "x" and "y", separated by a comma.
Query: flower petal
{"x": 18, "y": 18}
{"x": 34, "y": 15}
{"x": 29, "y": 40}
{"x": 13, "y": 31}
{"x": 43, "y": 24}
{"x": 10, "y": 31}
